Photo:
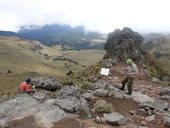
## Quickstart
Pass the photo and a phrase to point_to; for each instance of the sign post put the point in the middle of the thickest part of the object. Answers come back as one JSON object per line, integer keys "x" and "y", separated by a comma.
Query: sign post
{"x": 105, "y": 72}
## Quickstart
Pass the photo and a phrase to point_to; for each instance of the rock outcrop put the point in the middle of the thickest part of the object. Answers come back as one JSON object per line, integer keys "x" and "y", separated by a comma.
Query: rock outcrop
{"x": 49, "y": 83}
{"x": 124, "y": 44}
{"x": 24, "y": 106}
{"x": 41, "y": 111}
{"x": 116, "y": 119}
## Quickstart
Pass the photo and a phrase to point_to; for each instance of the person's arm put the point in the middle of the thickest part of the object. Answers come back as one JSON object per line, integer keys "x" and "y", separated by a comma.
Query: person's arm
{"x": 28, "y": 89}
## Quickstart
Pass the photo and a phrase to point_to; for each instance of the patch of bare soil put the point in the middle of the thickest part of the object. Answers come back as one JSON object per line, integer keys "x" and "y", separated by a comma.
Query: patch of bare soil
{"x": 28, "y": 122}
{"x": 69, "y": 123}
{"x": 122, "y": 106}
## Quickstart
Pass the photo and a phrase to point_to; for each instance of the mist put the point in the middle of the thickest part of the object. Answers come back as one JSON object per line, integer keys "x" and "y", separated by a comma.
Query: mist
{"x": 103, "y": 16}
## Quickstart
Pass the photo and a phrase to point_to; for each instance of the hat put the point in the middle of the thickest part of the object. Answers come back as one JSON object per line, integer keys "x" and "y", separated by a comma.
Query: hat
{"x": 28, "y": 81}
{"x": 129, "y": 61}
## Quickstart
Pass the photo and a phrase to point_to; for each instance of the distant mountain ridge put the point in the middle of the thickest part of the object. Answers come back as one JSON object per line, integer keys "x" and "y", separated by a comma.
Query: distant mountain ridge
{"x": 64, "y": 35}
{"x": 8, "y": 33}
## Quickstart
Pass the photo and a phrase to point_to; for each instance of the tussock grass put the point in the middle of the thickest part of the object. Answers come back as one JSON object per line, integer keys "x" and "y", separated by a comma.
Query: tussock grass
{"x": 156, "y": 67}
{"x": 9, "y": 83}
{"x": 103, "y": 107}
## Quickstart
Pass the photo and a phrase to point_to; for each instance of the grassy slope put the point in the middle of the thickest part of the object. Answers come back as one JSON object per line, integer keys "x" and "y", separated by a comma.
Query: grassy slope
{"x": 85, "y": 57}
{"x": 23, "y": 61}
{"x": 164, "y": 50}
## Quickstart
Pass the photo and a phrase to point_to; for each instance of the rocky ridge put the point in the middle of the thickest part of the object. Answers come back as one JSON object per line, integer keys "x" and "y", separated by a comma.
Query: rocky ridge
{"x": 124, "y": 44}
{"x": 69, "y": 103}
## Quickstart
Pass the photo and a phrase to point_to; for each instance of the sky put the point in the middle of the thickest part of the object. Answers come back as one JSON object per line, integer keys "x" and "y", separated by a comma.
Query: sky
{"x": 97, "y": 15}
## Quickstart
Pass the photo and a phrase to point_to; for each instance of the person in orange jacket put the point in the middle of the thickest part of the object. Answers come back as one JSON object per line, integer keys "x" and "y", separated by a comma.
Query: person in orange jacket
{"x": 24, "y": 86}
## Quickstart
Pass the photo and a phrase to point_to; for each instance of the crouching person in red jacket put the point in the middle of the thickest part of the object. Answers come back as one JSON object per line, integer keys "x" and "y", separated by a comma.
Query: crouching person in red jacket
{"x": 24, "y": 87}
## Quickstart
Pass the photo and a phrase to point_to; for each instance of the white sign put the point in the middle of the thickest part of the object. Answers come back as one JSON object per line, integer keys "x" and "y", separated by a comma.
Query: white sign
{"x": 104, "y": 71}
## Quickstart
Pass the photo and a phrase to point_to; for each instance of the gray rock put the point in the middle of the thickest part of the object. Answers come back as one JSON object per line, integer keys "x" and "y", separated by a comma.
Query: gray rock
{"x": 116, "y": 85}
{"x": 132, "y": 112}
{"x": 155, "y": 80}
{"x": 125, "y": 96}
{"x": 158, "y": 105}
{"x": 165, "y": 91}
{"x": 109, "y": 87}
{"x": 166, "y": 121}
{"x": 149, "y": 112}
{"x": 4, "y": 98}
{"x": 24, "y": 105}
{"x": 49, "y": 114}
{"x": 165, "y": 97}
{"x": 116, "y": 119}
{"x": 67, "y": 91}
{"x": 141, "y": 112}
{"x": 46, "y": 83}
{"x": 138, "y": 97}
{"x": 160, "y": 113}
{"x": 68, "y": 103}
{"x": 111, "y": 93}
{"x": 96, "y": 85}
{"x": 118, "y": 94}
{"x": 98, "y": 120}
{"x": 101, "y": 92}
{"x": 3, "y": 123}
{"x": 150, "y": 118}
{"x": 39, "y": 96}
{"x": 17, "y": 106}
{"x": 144, "y": 123}
{"x": 87, "y": 96}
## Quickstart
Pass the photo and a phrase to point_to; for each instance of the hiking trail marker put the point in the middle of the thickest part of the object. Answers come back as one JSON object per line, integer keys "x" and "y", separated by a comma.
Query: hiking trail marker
{"x": 104, "y": 71}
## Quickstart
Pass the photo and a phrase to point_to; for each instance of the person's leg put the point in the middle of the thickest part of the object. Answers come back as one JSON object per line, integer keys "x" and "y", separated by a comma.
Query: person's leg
{"x": 125, "y": 80}
{"x": 129, "y": 85}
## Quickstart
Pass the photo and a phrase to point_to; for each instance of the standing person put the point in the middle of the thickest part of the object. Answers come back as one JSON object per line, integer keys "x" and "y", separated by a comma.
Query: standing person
{"x": 131, "y": 72}
{"x": 24, "y": 86}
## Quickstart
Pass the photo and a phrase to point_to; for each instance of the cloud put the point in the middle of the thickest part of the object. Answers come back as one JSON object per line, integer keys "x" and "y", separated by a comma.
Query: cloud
{"x": 102, "y": 15}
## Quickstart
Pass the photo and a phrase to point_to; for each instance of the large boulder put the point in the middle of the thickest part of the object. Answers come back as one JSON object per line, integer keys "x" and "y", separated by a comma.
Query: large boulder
{"x": 157, "y": 105}
{"x": 68, "y": 103}
{"x": 17, "y": 106}
{"x": 49, "y": 83}
{"x": 101, "y": 92}
{"x": 165, "y": 91}
{"x": 39, "y": 96}
{"x": 166, "y": 120}
{"x": 115, "y": 119}
{"x": 68, "y": 91}
{"x": 87, "y": 95}
{"x": 124, "y": 44}
{"x": 23, "y": 106}
{"x": 139, "y": 97}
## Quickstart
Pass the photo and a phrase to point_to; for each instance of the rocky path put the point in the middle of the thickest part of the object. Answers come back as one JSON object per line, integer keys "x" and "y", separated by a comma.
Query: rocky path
{"x": 148, "y": 107}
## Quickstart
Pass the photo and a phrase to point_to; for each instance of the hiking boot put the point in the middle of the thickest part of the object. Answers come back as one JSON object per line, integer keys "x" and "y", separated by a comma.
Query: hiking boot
{"x": 128, "y": 93}
{"x": 122, "y": 89}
